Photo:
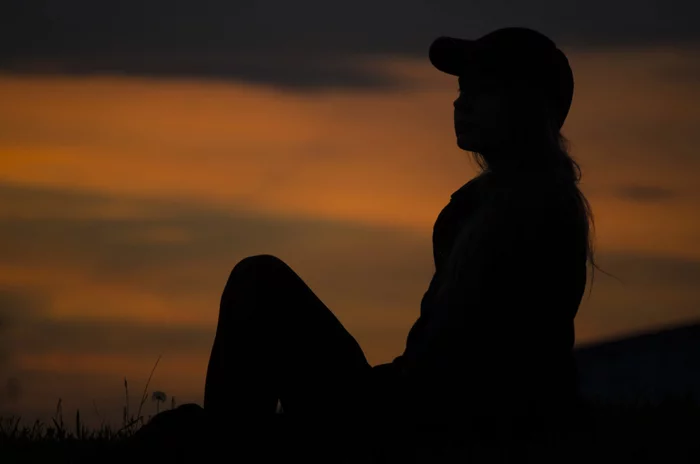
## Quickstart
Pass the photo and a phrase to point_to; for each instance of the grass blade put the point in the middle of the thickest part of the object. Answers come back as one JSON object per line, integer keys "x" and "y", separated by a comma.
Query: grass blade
{"x": 144, "y": 397}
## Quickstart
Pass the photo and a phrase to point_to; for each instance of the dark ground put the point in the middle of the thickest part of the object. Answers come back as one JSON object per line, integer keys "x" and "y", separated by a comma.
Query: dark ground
{"x": 664, "y": 433}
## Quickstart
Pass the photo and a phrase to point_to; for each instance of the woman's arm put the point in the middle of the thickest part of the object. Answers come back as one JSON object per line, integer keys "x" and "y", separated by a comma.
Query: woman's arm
{"x": 475, "y": 315}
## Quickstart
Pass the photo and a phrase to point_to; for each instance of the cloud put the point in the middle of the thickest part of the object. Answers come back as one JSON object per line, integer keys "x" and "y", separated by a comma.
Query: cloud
{"x": 173, "y": 266}
{"x": 645, "y": 193}
{"x": 17, "y": 306}
{"x": 11, "y": 392}
{"x": 305, "y": 45}
{"x": 682, "y": 72}
{"x": 107, "y": 338}
{"x": 647, "y": 290}
{"x": 649, "y": 269}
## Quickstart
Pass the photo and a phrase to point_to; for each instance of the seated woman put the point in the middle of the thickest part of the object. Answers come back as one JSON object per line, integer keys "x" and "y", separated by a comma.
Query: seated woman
{"x": 492, "y": 349}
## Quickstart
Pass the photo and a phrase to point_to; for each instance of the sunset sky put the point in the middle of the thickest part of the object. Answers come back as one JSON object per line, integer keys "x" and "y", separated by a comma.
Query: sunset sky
{"x": 144, "y": 151}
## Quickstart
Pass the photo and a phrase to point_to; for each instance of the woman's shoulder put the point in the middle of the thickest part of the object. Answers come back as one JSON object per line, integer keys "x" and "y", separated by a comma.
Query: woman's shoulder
{"x": 470, "y": 188}
{"x": 528, "y": 197}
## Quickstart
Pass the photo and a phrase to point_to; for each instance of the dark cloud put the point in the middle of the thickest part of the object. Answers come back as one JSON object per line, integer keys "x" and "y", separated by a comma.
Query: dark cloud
{"x": 17, "y": 304}
{"x": 641, "y": 270}
{"x": 18, "y": 307}
{"x": 646, "y": 291}
{"x": 12, "y": 391}
{"x": 645, "y": 193}
{"x": 308, "y": 44}
{"x": 336, "y": 256}
{"x": 682, "y": 72}
{"x": 113, "y": 337}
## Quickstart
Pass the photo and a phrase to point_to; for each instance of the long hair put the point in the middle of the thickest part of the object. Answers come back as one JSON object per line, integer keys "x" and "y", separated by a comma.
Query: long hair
{"x": 537, "y": 145}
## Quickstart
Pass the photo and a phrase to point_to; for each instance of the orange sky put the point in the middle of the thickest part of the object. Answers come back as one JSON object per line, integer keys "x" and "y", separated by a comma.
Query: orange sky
{"x": 126, "y": 201}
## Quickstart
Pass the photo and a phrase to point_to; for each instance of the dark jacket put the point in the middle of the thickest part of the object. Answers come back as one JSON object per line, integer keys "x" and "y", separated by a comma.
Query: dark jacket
{"x": 496, "y": 325}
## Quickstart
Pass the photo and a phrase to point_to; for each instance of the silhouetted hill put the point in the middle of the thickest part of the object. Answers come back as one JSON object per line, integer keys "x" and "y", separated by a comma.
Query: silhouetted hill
{"x": 650, "y": 366}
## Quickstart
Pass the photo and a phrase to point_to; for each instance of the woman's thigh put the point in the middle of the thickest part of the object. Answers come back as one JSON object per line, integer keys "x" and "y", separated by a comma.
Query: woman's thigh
{"x": 320, "y": 364}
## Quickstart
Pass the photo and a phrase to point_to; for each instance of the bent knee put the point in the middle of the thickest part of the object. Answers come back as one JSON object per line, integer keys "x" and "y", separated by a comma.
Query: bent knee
{"x": 253, "y": 273}
{"x": 263, "y": 261}
{"x": 256, "y": 265}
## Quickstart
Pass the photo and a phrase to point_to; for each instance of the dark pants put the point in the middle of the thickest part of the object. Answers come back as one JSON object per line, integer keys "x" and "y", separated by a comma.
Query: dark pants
{"x": 275, "y": 339}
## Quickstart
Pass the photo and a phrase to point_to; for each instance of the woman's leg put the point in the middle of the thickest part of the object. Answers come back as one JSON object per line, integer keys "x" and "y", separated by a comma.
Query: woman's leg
{"x": 276, "y": 339}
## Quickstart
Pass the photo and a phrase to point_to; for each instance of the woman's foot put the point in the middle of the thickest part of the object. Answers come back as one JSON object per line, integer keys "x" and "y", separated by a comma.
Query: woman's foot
{"x": 176, "y": 434}
{"x": 188, "y": 434}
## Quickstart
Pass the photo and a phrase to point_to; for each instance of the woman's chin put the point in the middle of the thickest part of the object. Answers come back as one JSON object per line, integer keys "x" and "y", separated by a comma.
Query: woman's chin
{"x": 467, "y": 143}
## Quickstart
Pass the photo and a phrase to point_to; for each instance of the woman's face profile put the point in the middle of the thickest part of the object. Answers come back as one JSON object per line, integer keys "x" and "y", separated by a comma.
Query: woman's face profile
{"x": 481, "y": 115}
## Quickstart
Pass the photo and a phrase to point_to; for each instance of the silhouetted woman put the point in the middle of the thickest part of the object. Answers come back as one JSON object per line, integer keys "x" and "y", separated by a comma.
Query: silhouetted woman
{"x": 494, "y": 339}
{"x": 492, "y": 348}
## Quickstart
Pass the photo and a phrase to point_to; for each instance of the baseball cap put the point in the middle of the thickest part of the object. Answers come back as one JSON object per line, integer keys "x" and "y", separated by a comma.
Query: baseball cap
{"x": 512, "y": 54}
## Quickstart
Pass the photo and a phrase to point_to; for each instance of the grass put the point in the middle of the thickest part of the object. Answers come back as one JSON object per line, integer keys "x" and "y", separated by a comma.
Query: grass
{"x": 64, "y": 442}
{"x": 665, "y": 433}
{"x": 635, "y": 432}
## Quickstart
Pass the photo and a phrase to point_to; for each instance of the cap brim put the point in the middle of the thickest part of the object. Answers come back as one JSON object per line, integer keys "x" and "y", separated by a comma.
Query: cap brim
{"x": 451, "y": 55}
